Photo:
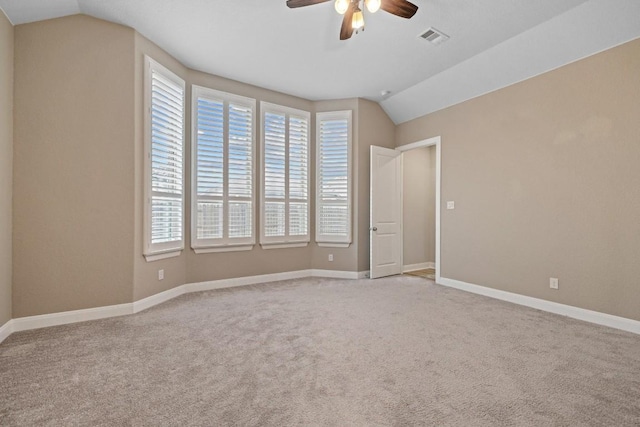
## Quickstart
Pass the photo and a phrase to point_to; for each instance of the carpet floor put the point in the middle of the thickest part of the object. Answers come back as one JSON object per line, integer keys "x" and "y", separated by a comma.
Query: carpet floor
{"x": 395, "y": 351}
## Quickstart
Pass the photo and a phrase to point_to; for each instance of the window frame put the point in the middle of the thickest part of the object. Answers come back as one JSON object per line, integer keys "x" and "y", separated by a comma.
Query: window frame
{"x": 331, "y": 240}
{"x": 286, "y": 241}
{"x": 158, "y": 251}
{"x": 224, "y": 244}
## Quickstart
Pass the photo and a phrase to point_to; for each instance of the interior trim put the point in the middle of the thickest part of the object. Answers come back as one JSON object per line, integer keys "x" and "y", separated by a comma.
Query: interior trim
{"x": 45, "y": 320}
{"x": 435, "y": 141}
{"x": 420, "y": 266}
{"x": 223, "y": 248}
{"x": 591, "y": 316}
{"x": 163, "y": 255}
{"x": 65, "y": 317}
{"x": 6, "y": 330}
{"x": 54, "y": 319}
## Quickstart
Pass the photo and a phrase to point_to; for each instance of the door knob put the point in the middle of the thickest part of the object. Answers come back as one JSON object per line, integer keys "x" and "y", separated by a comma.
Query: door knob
{"x": 374, "y": 228}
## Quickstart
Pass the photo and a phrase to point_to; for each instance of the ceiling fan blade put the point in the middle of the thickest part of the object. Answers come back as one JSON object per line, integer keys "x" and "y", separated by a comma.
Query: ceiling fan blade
{"x": 401, "y": 8}
{"x": 346, "y": 31}
{"x": 299, "y": 3}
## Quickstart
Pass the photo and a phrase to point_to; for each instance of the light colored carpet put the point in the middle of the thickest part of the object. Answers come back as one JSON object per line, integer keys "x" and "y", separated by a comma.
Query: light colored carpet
{"x": 395, "y": 351}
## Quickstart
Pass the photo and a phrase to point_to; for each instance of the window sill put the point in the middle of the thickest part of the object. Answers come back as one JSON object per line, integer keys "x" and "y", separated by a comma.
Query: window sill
{"x": 218, "y": 249}
{"x": 165, "y": 255}
{"x": 333, "y": 245}
{"x": 284, "y": 245}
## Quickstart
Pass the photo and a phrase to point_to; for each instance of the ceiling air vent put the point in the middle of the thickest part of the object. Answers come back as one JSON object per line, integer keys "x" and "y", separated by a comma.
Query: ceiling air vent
{"x": 434, "y": 36}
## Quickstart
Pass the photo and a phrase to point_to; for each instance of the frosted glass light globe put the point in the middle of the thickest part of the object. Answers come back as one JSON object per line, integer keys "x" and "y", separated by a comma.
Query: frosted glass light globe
{"x": 342, "y": 6}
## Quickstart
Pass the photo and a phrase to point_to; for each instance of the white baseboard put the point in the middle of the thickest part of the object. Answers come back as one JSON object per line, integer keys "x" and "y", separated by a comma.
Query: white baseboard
{"x": 416, "y": 267}
{"x": 145, "y": 303}
{"x": 247, "y": 280}
{"x": 591, "y": 316}
{"x": 6, "y": 330}
{"x": 364, "y": 274}
{"x": 54, "y": 319}
{"x": 335, "y": 274}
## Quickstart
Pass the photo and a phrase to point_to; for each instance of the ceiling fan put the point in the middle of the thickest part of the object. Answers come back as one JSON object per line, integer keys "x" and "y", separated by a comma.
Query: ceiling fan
{"x": 353, "y": 19}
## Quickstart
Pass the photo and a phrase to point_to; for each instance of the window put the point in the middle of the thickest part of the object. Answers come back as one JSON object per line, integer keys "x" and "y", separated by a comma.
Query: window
{"x": 333, "y": 179}
{"x": 223, "y": 202}
{"x": 164, "y": 164}
{"x": 285, "y": 177}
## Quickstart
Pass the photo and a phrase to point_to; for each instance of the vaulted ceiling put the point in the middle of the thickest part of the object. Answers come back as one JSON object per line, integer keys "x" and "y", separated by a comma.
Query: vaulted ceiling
{"x": 493, "y": 43}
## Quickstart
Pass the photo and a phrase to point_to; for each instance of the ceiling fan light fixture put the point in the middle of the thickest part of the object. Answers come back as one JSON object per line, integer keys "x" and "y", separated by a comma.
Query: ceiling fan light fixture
{"x": 352, "y": 18}
{"x": 342, "y": 6}
{"x": 373, "y": 5}
{"x": 357, "y": 22}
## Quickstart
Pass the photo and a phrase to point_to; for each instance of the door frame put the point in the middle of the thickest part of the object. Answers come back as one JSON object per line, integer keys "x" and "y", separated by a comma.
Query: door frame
{"x": 434, "y": 141}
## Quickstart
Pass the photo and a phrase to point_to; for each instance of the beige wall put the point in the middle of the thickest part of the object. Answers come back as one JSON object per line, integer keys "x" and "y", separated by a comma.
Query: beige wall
{"x": 418, "y": 206}
{"x": 73, "y": 165}
{"x": 191, "y": 267}
{"x": 544, "y": 174}
{"x": 546, "y": 179}
{"x": 6, "y": 164}
{"x": 374, "y": 128}
{"x": 371, "y": 126}
{"x": 79, "y": 172}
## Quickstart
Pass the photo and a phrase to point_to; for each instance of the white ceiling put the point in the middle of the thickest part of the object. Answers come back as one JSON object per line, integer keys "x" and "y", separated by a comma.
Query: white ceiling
{"x": 297, "y": 51}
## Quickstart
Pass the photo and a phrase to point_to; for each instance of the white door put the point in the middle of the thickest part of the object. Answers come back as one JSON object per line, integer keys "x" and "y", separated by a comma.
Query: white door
{"x": 386, "y": 212}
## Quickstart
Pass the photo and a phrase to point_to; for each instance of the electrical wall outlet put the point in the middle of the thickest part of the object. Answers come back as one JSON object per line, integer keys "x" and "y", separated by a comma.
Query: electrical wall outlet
{"x": 330, "y": 257}
{"x": 160, "y": 274}
{"x": 451, "y": 205}
{"x": 553, "y": 283}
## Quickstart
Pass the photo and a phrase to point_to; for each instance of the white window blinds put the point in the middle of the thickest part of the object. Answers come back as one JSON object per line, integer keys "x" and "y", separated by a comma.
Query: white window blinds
{"x": 285, "y": 177}
{"x": 164, "y": 182}
{"x": 223, "y": 171}
{"x": 333, "y": 178}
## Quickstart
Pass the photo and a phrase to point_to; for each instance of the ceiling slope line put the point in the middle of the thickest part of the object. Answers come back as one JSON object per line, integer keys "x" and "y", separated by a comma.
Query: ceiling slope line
{"x": 529, "y": 54}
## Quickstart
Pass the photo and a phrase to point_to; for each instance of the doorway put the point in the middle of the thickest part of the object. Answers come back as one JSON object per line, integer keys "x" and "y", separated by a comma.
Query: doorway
{"x": 419, "y": 212}
{"x": 381, "y": 249}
